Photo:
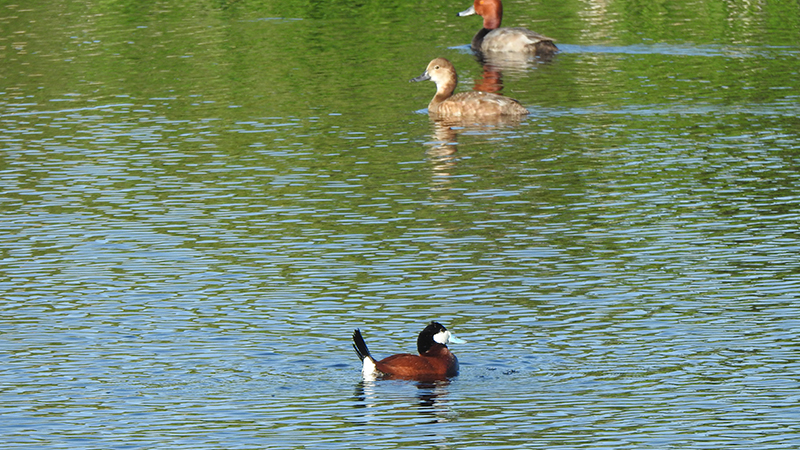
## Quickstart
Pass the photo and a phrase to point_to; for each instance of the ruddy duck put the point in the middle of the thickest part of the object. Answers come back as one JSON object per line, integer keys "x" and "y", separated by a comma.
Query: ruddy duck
{"x": 434, "y": 362}
{"x": 464, "y": 104}
{"x": 491, "y": 38}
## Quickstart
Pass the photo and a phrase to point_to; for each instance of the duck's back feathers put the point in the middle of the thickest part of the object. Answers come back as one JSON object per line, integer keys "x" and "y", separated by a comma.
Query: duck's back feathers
{"x": 475, "y": 103}
{"x": 433, "y": 365}
{"x": 518, "y": 40}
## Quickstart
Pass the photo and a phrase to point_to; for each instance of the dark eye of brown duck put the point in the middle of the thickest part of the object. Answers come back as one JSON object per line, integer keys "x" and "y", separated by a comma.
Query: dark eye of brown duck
{"x": 436, "y": 68}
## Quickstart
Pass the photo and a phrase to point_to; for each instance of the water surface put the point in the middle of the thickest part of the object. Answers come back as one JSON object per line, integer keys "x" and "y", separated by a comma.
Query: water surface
{"x": 201, "y": 202}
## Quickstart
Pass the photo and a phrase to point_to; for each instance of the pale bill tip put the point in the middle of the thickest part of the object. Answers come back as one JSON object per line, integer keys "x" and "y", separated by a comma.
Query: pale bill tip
{"x": 456, "y": 340}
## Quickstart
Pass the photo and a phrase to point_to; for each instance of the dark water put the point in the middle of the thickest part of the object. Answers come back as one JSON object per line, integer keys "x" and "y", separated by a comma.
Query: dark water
{"x": 202, "y": 201}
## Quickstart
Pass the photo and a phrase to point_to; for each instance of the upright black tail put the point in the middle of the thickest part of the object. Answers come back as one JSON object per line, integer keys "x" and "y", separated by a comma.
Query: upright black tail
{"x": 360, "y": 346}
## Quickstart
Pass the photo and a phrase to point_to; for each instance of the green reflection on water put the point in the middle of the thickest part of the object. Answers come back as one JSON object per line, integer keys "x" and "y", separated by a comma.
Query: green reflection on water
{"x": 302, "y": 59}
{"x": 201, "y": 178}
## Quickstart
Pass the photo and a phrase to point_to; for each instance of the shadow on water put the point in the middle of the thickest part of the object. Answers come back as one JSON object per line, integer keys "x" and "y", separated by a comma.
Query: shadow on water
{"x": 518, "y": 62}
{"x": 674, "y": 50}
{"x": 728, "y": 51}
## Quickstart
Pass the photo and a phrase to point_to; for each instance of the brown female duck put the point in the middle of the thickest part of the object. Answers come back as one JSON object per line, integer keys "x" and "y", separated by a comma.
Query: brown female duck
{"x": 464, "y": 104}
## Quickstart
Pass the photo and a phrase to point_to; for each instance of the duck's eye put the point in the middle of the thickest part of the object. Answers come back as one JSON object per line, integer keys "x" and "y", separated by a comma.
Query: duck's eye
{"x": 436, "y": 68}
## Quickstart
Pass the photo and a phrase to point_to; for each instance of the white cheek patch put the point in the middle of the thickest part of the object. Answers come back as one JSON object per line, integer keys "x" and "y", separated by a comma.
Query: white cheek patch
{"x": 442, "y": 337}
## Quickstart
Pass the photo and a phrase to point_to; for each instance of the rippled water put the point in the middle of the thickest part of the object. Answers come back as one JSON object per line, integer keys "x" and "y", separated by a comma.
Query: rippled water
{"x": 201, "y": 203}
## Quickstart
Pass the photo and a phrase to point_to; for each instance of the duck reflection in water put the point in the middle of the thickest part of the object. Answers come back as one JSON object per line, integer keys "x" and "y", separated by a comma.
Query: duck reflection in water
{"x": 431, "y": 397}
{"x": 446, "y": 131}
{"x": 477, "y": 110}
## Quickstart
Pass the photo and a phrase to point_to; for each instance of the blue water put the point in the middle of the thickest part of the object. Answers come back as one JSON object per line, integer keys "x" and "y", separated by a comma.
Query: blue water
{"x": 198, "y": 210}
